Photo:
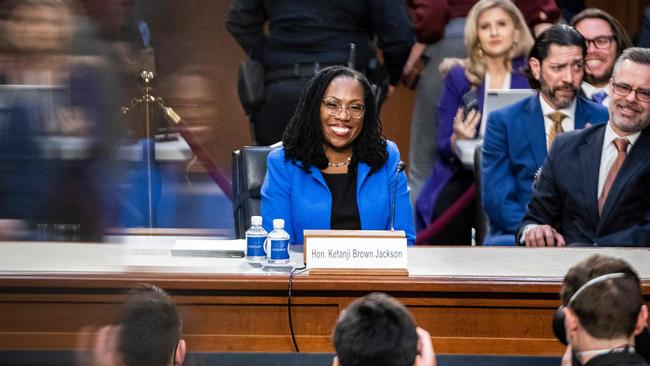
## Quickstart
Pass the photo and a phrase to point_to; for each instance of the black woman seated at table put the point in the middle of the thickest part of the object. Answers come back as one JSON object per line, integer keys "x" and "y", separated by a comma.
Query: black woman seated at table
{"x": 335, "y": 169}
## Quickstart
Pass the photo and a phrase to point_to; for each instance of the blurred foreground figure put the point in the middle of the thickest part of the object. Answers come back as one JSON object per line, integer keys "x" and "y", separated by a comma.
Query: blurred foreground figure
{"x": 148, "y": 334}
{"x": 56, "y": 131}
{"x": 603, "y": 312}
{"x": 377, "y": 330}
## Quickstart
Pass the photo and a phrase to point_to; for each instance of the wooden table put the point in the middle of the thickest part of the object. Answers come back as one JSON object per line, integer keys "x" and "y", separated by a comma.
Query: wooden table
{"x": 472, "y": 300}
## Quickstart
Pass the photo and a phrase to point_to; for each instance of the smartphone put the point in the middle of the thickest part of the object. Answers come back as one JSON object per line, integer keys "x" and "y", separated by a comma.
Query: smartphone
{"x": 470, "y": 102}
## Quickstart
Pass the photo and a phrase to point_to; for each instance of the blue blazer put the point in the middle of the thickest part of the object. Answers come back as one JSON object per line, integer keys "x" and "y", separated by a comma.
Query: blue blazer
{"x": 514, "y": 149}
{"x": 566, "y": 195}
{"x": 456, "y": 85}
{"x": 304, "y": 200}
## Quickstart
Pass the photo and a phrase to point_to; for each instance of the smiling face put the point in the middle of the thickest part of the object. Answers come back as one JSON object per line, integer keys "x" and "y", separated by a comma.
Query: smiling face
{"x": 496, "y": 32}
{"x": 559, "y": 74}
{"x": 599, "y": 61}
{"x": 627, "y": 114}
{"x": 340, "y": 129}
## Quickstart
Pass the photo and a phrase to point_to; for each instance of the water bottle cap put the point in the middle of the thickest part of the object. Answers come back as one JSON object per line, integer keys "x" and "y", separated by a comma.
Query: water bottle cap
{"x": 278, "y": 223}
{"x": 256, "y": 220}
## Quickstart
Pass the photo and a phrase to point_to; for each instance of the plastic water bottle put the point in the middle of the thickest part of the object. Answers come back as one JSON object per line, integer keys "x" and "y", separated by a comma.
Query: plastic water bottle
{"x": 277, "y": 244}
{"x": 255, "y": 237}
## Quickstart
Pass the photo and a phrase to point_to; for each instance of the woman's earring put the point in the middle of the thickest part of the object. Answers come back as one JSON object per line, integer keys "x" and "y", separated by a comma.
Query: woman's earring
{"x": 514, "y": 44}
{"x": 480, "y": 50}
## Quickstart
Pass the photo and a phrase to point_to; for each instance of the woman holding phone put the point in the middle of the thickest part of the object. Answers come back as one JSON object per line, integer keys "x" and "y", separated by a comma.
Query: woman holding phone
{"x": 497, "y": 41}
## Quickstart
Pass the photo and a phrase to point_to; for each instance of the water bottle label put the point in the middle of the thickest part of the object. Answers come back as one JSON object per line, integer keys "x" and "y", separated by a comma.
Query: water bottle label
{"x": 255, "y": 246}
{"x": 279, "y": 249}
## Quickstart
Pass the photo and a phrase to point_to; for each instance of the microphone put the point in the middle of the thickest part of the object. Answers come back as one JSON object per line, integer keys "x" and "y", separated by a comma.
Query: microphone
{"x": 400, "y": 168}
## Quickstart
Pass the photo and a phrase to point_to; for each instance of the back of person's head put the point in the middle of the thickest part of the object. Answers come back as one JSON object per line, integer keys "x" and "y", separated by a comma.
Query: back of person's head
{"x": 150, "y": 329}
{"x": 609, "y": 307}
{"x": 375, "y": 330}
{"x": 620, "y": 35}
{"x": 559, "y": 35}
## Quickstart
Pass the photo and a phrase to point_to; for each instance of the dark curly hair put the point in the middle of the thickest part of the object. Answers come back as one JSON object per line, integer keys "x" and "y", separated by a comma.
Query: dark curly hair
{"x": 303, "y": 138}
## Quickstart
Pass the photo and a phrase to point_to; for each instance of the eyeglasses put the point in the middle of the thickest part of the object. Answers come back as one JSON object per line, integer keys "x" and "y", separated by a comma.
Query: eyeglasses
{"x": 600, "y": 42}
{"x": 334, "y": 107}
{"x": 642, "y": 95}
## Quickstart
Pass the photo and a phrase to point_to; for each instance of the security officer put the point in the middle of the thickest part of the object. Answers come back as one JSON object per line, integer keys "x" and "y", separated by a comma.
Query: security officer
{"x": 306, "y": 35}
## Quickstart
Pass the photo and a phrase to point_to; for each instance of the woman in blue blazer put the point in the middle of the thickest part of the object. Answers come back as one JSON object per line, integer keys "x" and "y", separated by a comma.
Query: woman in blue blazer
{"x": 496, "y": 40}
{"x": 335, "y": 169}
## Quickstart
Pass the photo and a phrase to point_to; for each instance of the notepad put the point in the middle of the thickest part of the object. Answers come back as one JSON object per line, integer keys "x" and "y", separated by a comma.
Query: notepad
{"x": 210, "y": 248}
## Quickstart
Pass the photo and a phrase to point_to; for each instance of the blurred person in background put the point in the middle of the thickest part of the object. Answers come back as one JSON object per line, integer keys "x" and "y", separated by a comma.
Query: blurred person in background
{"x": 497, "y": 41}
{"x": 55, "y": 132}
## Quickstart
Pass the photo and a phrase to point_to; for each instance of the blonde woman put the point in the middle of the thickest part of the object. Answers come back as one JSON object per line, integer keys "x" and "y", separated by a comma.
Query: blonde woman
{"x": 497, "y": 41}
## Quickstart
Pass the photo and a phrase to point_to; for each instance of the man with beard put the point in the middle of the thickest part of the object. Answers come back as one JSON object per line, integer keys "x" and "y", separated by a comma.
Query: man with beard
{"x": 606, "y": 40}
{"x": 593, "y": 188}
{"x": 518, "y": 137}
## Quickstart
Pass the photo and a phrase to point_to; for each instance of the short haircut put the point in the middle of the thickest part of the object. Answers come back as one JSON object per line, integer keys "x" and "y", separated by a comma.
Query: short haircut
{"x": 620, "y": 35}
{"x": 608, "y": 309}
{"x": 375, "y": 330}
{"x": 559, "y": 35}
{"x": 638, "y": 55}
{"x": 150, "y": 328}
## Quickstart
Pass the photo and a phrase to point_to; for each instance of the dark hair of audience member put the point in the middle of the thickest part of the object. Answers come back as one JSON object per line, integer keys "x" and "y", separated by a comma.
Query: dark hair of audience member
{"x": 150, "y": 328}
{"x": 608, "y": 309}
{"x": 375, "y": 330}
{"x": 559, "y": 35}
{"x": 620, "y": 35}
{"x": 303, "y": 138}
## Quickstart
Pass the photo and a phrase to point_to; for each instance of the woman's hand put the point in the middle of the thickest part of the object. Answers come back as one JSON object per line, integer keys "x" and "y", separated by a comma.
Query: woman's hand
{"x": 465, "y": 128}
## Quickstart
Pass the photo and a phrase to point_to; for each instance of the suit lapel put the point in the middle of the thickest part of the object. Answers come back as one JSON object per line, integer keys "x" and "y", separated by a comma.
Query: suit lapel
{"x": 636, "y": 159}
{"x": 582, "y": 115}
{"x": 589, "y": 159}
{"x": 534, "y": 128}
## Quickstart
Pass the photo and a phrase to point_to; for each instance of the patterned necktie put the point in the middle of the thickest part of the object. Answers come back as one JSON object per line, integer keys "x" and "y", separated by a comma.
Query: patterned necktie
{"x": 621, "y": 145}
{"x": 599, "y": 97}
{"x": 556, "y": 129}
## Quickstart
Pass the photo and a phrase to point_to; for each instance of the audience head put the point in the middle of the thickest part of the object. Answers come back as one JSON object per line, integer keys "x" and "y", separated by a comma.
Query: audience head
{"x": 629, "y": 104}
{"x": 603, "y": 304}
{"x": 335, "y": 111}
{"x": 150, "y": 330}
{"x": 494, "y": 29}
{"x": 606, "y": 39}
{"x": 557, "y": 64}
{"x": 38, "y": 26}
{"x": 375, "y": 330}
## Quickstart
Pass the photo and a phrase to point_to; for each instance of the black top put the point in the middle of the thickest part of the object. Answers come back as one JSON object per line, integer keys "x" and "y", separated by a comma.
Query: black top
{"x": 345, "y": 213}
{"x": 322, "y": 30}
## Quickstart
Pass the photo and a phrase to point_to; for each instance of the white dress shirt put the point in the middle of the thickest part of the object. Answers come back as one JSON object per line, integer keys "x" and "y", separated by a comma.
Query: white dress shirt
{"x": 609, "y": 153}
{"x": 590, "y": 90}
{"x": 568, "y": 123}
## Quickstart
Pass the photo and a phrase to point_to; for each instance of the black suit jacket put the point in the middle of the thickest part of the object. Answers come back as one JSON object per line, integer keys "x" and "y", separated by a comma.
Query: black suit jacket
{"x": 566, "y": 193}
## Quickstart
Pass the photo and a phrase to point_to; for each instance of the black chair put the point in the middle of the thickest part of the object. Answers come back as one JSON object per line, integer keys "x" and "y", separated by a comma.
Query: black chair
{"x": 482, "y": 220}
{"x": 248, "y": 171}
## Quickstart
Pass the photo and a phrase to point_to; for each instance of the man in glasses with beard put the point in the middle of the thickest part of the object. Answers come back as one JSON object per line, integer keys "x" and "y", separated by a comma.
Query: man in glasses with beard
{"x": 606, "y": 39}
{"x": 518, "y": 137}
{"x": 594, "y": 186}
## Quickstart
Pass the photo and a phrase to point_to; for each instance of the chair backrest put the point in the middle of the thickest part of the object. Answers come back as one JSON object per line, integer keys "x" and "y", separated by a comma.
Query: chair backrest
{"x": 248, "y": 172}
{"x": 482, "y": 220}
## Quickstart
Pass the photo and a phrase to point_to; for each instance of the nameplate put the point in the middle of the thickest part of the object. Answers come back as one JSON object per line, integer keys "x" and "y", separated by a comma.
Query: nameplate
{"x": 373, "y": 250}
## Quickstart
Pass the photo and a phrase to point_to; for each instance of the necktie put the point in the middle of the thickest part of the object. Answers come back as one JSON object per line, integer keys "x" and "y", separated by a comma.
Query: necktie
{"x": 621, "y": 145}
{"x": 556, "y": 129}
{"x": 599, "y": 97}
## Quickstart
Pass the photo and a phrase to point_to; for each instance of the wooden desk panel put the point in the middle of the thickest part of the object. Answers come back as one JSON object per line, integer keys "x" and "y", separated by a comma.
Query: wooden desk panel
{"x": 227, "y": 311}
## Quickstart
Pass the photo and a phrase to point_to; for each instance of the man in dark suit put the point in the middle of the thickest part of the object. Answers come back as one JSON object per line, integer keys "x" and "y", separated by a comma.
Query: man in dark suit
{"x": 517, "y": 137}
{"x": 594, "y": 186}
